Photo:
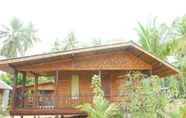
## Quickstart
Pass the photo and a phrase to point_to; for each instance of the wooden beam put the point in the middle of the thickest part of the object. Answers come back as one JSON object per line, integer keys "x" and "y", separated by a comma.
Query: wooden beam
{"x": 36, "y": 92}
{"x": 56, "y": 88}
{"x": 140, "y": 54}
{"x": 23, "y": 89}
{"x": 99, "y": 73}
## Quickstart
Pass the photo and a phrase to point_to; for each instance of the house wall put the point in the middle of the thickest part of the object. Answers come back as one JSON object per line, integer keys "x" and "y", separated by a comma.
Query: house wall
{"x": 111, "y": 81}
{"x": 119, "y": 60}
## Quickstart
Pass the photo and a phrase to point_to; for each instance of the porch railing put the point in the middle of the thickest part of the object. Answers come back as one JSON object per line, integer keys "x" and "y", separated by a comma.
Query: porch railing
{"x": 52, "y": 101}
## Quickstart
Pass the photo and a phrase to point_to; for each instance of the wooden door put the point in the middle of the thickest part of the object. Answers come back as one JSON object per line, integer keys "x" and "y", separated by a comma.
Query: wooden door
{"x": 75, "y": 87}
{"x": 106, "y": 85}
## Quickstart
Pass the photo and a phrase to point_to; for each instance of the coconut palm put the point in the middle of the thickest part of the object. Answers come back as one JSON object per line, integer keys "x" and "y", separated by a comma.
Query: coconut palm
{"x": 96, "y": 42}
{"x": 68, "y": 43}
{"x": 17, "y": 38}
{"x": 100, "y": 108}
{"x": 71, "y": 42}
{"x": 159, "y": 39}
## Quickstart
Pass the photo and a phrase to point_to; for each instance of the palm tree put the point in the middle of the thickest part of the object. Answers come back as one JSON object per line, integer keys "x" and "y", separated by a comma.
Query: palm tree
{"x": 179, "y": 26}
{"x": 96, "y": 42}
{"x": 159, "y": 39}
{"x": 100, "y": 108}
{"x": 68, "y": 43}
{"x": 71, "y": 42}
{"x": 17, "y": 38}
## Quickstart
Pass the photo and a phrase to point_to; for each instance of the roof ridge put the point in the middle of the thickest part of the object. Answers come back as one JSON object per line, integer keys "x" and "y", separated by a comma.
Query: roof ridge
{"x": 66, "y": 51}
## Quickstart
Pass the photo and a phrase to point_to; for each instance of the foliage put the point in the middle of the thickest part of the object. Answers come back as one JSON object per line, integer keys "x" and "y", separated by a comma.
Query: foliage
{"x": 183, "y": 112}
{"x": 96, "y": 42}
{"x": 159, "y": 39}
{"x": 180, "y": 30}
{"x": 165, "y": 41}
{"x": 179, "y": 114}
{"x": 144, "y": 96}
{"x": 100, "y": 107}
{"x": 180, "y": 26}
{"x": 6, "y": 78}
{"x": 68, "y": 43}
{"x": 17, "y": 38}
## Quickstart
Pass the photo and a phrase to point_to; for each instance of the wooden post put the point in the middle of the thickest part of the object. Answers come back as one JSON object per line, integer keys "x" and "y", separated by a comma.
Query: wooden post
{"x": 23, "y": 89}
{"x": 13, "y": 100}
{"x": 14, "y": 90}
{"x": 56, "y": 88}
{"x": 36, "y": 92}
{"x": 99, "y": 73}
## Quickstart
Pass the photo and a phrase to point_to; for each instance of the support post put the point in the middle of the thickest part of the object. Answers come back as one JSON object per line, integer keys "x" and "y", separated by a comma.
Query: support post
{"x": 36, "y": 92}
{"x": 56, "y": 88}
{"x": 14, "y": 89}
{"x": 23, "y": 89}
{"x": 99, "y": 73}
{"x": 13, "y": 100}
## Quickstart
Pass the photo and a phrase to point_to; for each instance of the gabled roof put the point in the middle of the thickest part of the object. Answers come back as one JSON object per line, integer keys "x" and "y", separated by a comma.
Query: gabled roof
{"x": 159, "y": 67}
{"x": 4, "y": 86}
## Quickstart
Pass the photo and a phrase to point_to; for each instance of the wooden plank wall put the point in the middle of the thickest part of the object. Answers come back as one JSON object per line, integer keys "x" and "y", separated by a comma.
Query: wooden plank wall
{"x": 64, "y": 84}
{"x": 107, "y": 61}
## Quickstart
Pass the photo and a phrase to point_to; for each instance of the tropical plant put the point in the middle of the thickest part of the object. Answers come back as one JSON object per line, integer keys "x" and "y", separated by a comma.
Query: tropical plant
{"x": 159, "y": 39}
{"x": 100, "y": 107}
{"x": 6, "y": 78}
{"x": 144, "y": 96}
{"x": 179, "y": 28}
{"x": 17, "y": 38}
{"x": 181, "y": 113}
{"x": 71, "y": 42}
{"x": 164, "y": 41}
{"x": 96, "y": 42}
{"x": 68, "y": 43}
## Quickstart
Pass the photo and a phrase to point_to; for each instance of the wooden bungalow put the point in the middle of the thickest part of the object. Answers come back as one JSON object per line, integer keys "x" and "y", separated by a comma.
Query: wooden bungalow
{"x": 72, "y": 71}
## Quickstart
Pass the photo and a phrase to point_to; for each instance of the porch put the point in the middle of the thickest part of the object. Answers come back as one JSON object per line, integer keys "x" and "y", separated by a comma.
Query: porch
{"x": 71, "y": 88}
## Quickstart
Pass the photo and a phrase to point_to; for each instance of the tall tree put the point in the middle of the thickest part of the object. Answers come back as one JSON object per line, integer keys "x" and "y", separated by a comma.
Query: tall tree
{"x": 68, "y": 43}
{"x": 159, "y": 39}
{"x": 179, "y": 26}
{"x": 57, "y": 46}
{"x": 71, "y": 42}
{"x": 165, "y": 41}
{"x": 17, "y": 38}
{"x": 96, "y": 42}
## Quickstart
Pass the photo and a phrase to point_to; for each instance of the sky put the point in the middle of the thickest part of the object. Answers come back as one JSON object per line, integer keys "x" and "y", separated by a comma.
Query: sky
{"x": 109, "y": 20}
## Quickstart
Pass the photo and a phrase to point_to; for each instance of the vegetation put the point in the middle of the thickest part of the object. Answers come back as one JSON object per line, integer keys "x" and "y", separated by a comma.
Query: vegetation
{"x": 96, "y": 42}
{"x": 66, "y": 44}
{"x": 100, "y": 107}
{"x": 144, "y": 96}
{"x": 17, "y": 38}
{"x": 160, "y": 39}
{"x": 165, "y": 42}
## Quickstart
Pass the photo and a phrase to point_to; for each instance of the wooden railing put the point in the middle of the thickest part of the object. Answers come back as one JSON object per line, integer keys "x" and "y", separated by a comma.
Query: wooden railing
{"x": 52, "y": 102}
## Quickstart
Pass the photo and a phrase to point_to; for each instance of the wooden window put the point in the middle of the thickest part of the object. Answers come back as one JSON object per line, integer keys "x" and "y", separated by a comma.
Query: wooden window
{"x": 75, "y": 87}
